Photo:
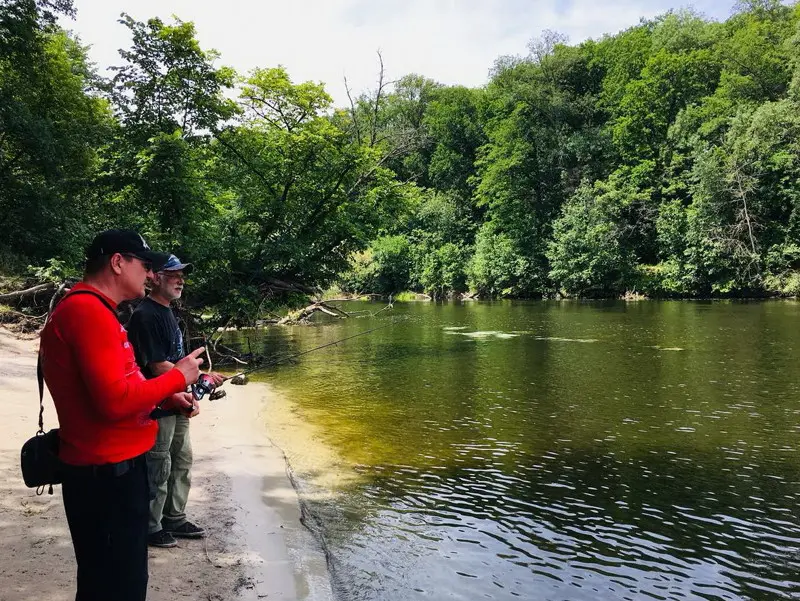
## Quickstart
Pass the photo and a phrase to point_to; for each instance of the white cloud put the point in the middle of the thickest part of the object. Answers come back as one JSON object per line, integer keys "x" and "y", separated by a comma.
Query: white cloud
{"x": 451, "y": 41}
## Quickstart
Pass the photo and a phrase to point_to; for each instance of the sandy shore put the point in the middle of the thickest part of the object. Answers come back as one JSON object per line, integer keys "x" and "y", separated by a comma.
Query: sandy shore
{"x": 241, "y": 493}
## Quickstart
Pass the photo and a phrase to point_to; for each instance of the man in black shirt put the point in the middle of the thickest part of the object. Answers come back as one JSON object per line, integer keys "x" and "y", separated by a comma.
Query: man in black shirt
{"x": 158, "y": 344}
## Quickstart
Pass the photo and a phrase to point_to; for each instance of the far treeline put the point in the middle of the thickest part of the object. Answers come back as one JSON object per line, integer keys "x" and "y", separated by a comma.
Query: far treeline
{"x": 663, "y": 161}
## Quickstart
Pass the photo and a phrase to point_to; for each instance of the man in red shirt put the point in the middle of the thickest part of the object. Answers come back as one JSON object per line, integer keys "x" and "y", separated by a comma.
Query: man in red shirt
{"x": 103, "y": 403}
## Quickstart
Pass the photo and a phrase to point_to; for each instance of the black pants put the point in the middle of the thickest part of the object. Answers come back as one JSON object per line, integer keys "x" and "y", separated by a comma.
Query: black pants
{"x": 107, "y": 512}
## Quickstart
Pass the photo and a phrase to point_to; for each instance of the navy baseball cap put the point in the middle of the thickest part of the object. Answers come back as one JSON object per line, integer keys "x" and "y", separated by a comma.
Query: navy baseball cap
{"x": 125, "y": 242}
{"x": 173, "y": 263}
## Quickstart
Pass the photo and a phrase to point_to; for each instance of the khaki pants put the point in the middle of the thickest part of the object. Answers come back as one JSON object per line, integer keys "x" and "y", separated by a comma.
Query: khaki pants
{"x": 169, "y": 465}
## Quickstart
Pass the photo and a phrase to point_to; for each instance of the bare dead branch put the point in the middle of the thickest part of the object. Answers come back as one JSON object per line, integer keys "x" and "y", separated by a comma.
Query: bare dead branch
{"x": 353, "y": 112}
{"x": 376, "y": 107}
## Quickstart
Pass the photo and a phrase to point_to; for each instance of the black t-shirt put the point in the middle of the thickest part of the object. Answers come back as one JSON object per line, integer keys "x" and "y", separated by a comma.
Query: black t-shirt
{"x": 155, "y": 335}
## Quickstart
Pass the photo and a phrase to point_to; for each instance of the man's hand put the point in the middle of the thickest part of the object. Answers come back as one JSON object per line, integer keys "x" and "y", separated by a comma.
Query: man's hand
{"x": 189, "y": 366}
{"x": 218, "y": 378}
{"x": 183, "y": 402}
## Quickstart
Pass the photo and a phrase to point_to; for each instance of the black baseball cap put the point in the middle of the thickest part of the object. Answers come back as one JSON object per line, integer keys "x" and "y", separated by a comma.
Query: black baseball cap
{"x": 125, "y": 242}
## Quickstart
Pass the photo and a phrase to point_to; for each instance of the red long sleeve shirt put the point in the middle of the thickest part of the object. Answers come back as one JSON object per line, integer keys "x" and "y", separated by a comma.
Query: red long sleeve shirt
{"x": 102, "y": 399}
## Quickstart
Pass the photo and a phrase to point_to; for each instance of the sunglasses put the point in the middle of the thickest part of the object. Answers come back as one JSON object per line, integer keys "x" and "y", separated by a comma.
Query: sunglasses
{"x": 148, "y": 266}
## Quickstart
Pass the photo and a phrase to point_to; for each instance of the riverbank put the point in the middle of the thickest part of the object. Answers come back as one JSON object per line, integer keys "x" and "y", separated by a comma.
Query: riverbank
{"x": 241, "y": 493}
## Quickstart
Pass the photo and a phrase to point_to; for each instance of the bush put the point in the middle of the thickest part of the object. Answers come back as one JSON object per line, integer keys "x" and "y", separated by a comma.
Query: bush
{"x": 586, "y": 256}
{"x": 442, "y": 270}
{"x": 383, "y": 268}
{"x": 497, "y": 268}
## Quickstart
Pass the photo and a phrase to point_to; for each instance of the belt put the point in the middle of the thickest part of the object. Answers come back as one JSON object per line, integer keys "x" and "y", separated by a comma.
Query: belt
{"x": 106, "y": 470}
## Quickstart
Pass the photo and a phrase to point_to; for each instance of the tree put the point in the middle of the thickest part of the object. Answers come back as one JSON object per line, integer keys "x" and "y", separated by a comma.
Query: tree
{"x": 51, "y": 124}
{"x": 739, "y": 227}
{"x": 168, "y": 82}
{"x": 454, "y": 121}
{"x": 668, "y": 83}
{"x": 543, "y": 138}
{"x": 498, "y": 268}
{"x": 757, "y": 62}
{"x": 587, "y": 253}
{"x": 170, "y": 100}
{"x": 383, "y": 268}
{"x": 304, "y": 195}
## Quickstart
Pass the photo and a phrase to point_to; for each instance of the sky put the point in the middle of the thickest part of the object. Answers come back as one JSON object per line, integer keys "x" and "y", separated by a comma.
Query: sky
{"x": 450, "y": 41}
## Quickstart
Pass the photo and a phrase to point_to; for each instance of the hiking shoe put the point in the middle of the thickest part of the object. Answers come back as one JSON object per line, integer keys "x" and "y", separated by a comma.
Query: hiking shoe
{"x": 162, "y": 539}
{"x": 186, "y": 530}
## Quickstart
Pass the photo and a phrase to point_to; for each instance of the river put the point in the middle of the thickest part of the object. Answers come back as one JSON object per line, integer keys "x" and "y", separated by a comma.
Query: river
{"x": 550, "y": 450}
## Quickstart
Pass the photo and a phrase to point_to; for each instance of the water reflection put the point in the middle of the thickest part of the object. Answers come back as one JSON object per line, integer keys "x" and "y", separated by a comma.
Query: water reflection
{"x": 564, "y": 451}
{"x": 570, "y": 526}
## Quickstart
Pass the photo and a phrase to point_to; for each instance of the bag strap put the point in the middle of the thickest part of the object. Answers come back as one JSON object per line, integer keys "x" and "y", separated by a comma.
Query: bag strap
{"x": 94, "y": 294}
{"x": 40, "y": 377}
{"x": 40, "y": 373}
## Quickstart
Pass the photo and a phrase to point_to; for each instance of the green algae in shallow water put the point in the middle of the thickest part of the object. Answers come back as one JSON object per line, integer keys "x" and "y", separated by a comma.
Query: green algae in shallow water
{"x": 560, "y": 339}
{"x": 482, "y": 335}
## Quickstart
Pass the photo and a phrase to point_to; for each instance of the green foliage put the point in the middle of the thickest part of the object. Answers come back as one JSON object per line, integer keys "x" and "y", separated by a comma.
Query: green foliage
{"x": 544, "y": 126}
{"x": 168, "y": 82}
{"x": 272, "y": 100}
{"x": 663, "y": 159}
{"x": 743, "y": 206}
{"x": 440, "y": 270}
{"x": 50, "y": 128}
{"x": 427, "y": 254}
{"x": 383, "y": 268}
{"x": 54, "y": 271}
{"x": 497, "y": 269}
{"x": 783, "y": 269}
{"x": 405, "y": 297}
{"x": 454, "y": 127}
{"x": 668, "y": 83}
{"x": 441, "y": 231}
{"x": 587, "y": 254}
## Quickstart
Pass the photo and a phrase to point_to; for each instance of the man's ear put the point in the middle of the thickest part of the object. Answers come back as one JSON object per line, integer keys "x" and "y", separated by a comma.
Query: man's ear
{"x": 116, "y": 263}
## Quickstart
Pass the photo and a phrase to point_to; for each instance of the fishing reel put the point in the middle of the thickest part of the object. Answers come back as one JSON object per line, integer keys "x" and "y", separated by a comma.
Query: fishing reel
{"x": 205, "y": 386}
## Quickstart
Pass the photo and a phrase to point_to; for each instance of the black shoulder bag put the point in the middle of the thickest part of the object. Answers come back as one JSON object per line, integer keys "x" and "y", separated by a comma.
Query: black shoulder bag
{"x": 39, "y": 458}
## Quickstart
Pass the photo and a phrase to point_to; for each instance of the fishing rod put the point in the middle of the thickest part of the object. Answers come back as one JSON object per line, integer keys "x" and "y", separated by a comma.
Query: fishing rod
{"x": 316, "y": 348}
{"x": 205, "y": 385}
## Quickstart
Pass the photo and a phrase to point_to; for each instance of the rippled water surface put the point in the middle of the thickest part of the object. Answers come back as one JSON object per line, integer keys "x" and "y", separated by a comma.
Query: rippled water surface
{"x": 564, "y": 451}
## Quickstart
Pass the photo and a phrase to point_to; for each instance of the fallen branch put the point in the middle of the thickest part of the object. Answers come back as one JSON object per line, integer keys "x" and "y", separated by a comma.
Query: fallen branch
{"x": 328, "y": 311}
{"x": 303, "y": 315}
{"x": 20, "y": 324}
{"x": 18, "y": 316}
{"x": 231, "y": 355}
{"x": 19, "y": 295}
{"x": 389, "y": 306}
